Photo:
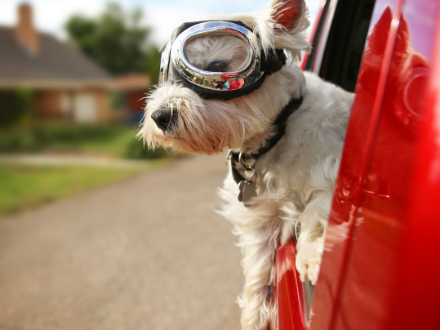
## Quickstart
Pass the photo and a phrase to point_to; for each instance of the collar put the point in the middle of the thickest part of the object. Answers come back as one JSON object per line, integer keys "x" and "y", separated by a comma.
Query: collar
{"x": 243, "y": 164}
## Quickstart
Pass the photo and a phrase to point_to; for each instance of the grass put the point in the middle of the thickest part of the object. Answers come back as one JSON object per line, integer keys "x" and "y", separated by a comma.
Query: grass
{"x": 26, "y": 186}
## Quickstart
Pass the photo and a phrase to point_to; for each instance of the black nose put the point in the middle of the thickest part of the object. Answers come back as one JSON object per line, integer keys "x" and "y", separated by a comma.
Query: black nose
{"x": 162, "y": 118}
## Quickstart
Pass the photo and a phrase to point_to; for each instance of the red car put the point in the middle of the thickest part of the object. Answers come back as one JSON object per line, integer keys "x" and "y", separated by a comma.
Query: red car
{"x": 381, "y": 264}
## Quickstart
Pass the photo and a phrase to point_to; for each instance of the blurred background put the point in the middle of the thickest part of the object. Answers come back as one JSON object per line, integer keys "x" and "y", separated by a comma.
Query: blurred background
{"x": 96, "y": 231}
{"x": 73, "y": 77}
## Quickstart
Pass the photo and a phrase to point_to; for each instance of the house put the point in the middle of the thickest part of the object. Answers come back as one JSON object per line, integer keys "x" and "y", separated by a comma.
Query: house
{"x": 131, "y": 90}
{"x": 64, "y": 83}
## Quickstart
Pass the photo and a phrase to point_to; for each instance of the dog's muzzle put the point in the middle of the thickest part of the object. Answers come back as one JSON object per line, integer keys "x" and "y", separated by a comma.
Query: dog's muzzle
{"x": 219, "y": 79}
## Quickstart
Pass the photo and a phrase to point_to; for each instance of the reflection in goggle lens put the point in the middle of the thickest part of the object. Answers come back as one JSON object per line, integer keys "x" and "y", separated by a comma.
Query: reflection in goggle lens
{"x": 217, "y": 53}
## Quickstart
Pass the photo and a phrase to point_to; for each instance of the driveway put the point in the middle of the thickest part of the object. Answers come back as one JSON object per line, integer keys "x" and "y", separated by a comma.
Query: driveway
{"x": 146, "y": 253}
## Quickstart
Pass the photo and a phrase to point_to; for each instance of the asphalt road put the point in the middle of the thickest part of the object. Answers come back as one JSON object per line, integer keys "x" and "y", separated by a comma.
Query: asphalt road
{"x": 146, "y": 253}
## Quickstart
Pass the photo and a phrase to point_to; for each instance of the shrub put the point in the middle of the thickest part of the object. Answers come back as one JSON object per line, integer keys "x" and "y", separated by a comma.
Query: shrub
{"x": 15, "y": 105}
{"x": 67, "y": 132}
{"x": 19, "y": 139}
{"x": 104, "y": 139}
{"x": 137, "y": 150}
{"x": 16, "y": 140}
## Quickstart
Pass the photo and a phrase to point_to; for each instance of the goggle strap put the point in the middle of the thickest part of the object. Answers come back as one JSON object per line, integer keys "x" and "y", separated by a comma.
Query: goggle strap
{"x": 273, "y": 61}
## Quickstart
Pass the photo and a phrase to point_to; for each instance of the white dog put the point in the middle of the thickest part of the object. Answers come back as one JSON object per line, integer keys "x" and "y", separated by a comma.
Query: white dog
{"x": 289, "y": 130}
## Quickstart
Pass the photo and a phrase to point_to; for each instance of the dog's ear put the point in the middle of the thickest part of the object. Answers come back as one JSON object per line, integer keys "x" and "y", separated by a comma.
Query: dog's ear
{"x": 288, "y": 13}
{"x": 281, "y": 24}
{"x": 377, "y": 40}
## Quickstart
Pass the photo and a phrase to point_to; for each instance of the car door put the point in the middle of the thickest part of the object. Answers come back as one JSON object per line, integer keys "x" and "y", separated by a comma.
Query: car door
{"x": 374, "y": 192}
{"x": 368, "y": 243}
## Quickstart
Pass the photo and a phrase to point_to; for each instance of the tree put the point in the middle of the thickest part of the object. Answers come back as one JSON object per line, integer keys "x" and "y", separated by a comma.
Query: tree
{"x": 153, "y": 63}
{"x": 115, "y": 40}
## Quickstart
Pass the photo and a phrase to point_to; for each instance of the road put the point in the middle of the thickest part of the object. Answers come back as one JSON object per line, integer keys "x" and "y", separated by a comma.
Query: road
{"x": 145, "y": 253}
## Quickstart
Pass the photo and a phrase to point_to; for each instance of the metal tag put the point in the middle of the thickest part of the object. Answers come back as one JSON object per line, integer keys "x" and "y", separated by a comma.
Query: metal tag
{"x": 248, "y": 190}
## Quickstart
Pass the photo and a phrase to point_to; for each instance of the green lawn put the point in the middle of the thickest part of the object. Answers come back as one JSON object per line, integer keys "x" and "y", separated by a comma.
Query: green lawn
{"x": 25, "y": 186}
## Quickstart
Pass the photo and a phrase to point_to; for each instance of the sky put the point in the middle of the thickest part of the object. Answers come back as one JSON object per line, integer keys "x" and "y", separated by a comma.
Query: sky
{"x": 163, "y": 15}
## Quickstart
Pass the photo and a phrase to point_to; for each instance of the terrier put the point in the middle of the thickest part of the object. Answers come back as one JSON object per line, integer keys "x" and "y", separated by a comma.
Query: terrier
{"x": 234, "y": 84}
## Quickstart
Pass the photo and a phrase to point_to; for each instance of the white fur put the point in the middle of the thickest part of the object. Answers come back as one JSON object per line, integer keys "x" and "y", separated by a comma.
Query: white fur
{"x": 296, "y": 176}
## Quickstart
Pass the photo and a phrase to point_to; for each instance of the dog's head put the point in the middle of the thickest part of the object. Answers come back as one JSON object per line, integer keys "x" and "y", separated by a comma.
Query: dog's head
{"x": 180, "y": 117}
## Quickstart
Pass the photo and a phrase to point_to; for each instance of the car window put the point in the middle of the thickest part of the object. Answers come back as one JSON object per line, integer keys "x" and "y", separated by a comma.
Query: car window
{"x": 345, "y": 42}
{"x": 318, "y": 34}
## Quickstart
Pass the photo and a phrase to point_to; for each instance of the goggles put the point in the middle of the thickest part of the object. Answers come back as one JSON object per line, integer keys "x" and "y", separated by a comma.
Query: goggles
{"x": 217, "y": 59}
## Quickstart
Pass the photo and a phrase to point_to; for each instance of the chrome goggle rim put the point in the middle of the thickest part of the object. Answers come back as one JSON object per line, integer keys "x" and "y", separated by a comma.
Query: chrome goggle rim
{"x": 164, "y": 61}
{"x": 214, "y": 80}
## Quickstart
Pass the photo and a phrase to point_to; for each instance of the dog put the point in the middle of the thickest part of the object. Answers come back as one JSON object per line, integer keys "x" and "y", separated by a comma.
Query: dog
{"x": 285, "y": 134}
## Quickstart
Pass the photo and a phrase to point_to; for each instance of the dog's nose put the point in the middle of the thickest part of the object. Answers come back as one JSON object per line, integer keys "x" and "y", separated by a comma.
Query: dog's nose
{"x": 162, "y": 118}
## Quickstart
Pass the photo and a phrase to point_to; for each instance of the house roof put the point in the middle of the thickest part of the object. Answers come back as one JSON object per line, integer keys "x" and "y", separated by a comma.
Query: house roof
{"x": 56, "y": 65}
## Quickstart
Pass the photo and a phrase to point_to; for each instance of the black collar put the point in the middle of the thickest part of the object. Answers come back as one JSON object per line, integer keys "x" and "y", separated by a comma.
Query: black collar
{"x": 280, "y": 125}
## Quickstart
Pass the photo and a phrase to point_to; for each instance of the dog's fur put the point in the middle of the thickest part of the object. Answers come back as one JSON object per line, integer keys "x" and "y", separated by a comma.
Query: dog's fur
{"x": 296, "y": 177}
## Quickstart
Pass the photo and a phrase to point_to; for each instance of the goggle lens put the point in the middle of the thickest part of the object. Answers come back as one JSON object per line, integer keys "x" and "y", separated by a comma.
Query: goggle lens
{"x": 217, "y": 53}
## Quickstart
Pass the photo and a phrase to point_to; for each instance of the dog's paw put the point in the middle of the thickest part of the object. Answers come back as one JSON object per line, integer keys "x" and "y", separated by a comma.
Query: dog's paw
{"x": 308, "y": 263}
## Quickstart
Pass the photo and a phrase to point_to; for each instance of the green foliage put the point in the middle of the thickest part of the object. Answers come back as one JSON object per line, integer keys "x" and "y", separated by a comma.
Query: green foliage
{"x": 15, "y": 106}
{"x": 116, "y": 40}
{"x": 64, "y": 132}
{"x": 137, "y": 150}
{"x": 37, "y": 137}
{"x": 18, "y": 140}
{"x": 153, "y": 64}
{"x": 91, "y": 139}
{"x": 117, "y": 100}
